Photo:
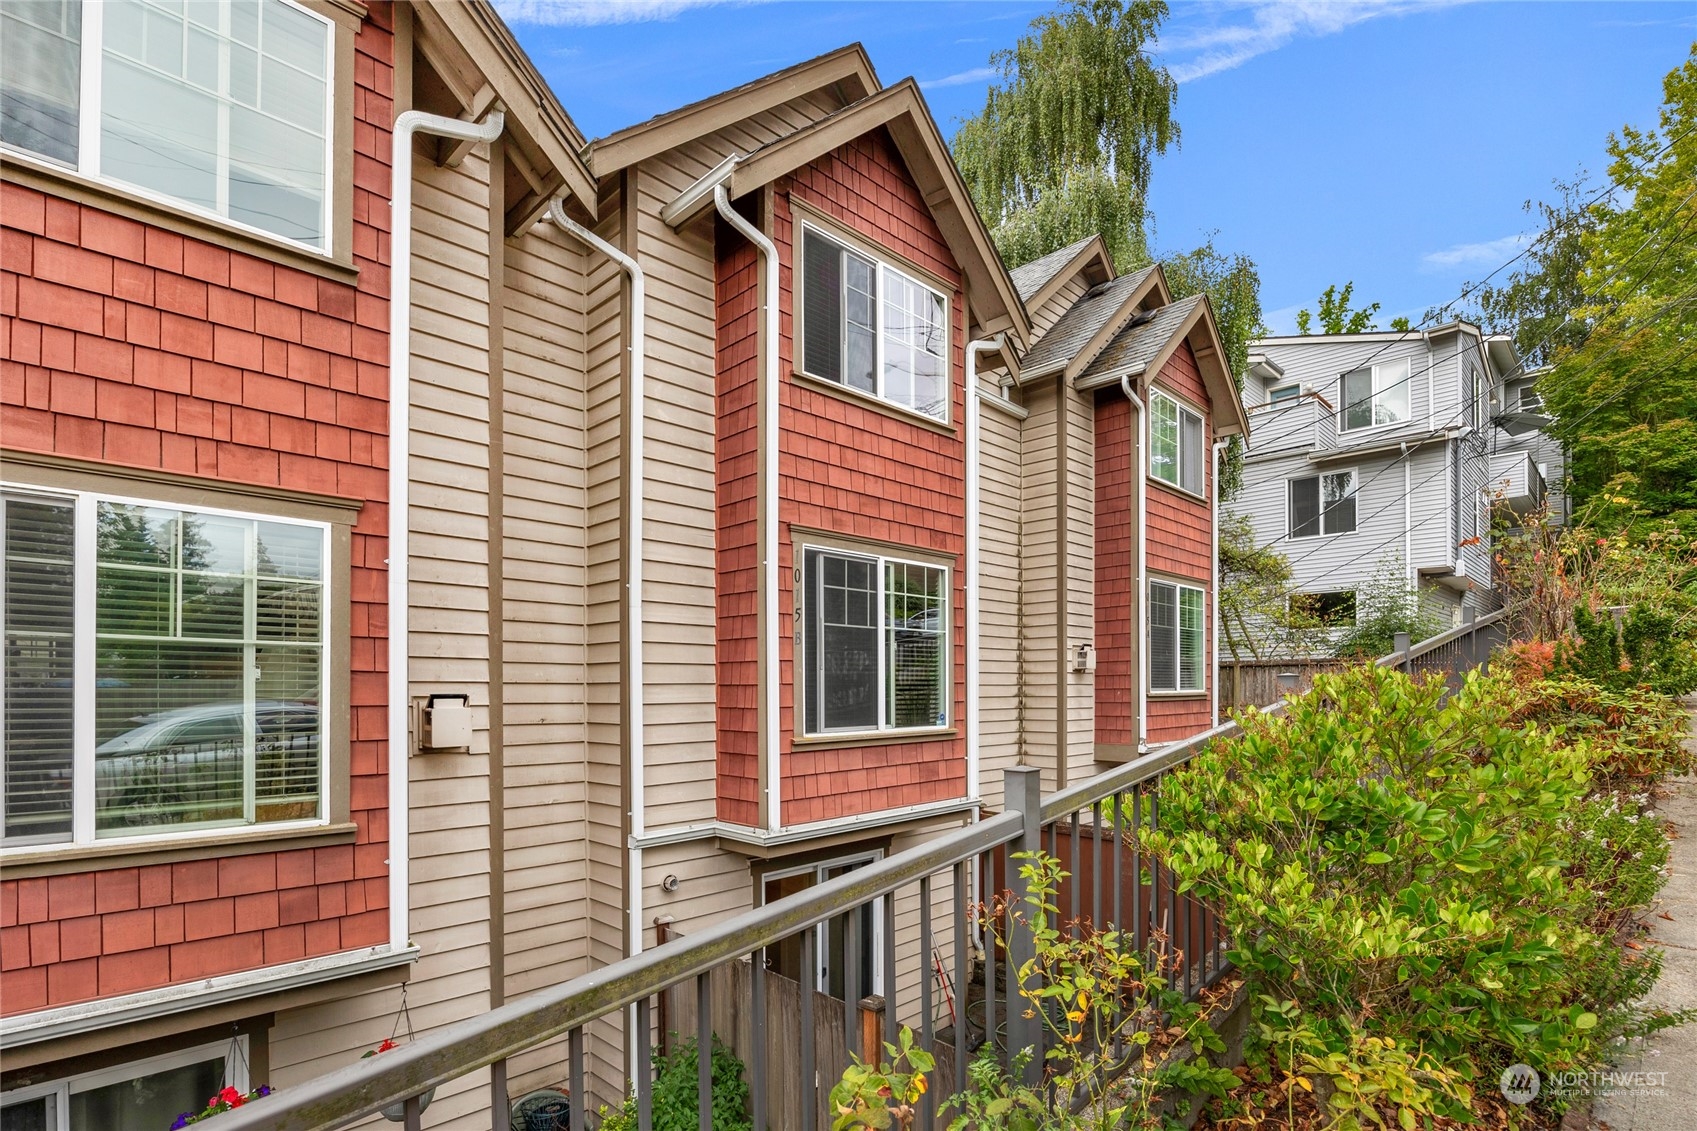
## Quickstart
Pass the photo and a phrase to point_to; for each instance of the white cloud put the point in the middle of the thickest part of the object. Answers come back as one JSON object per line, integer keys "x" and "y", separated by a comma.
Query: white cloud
{"x": 1271, "y": 24}
{"x": 977, "y": 74}
{"x": 587, "y": 13}
{"x": 1488, "y": 253}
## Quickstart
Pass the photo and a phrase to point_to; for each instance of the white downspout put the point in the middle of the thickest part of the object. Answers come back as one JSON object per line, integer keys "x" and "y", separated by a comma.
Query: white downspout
{"x": 635, "y": 495}
{"x": 1407, "y": 522}
{"x": 1140, "y": 584}
{"x": 1214, "y": 589}
{"x": 973, "y": 349}
{"x": 768, "y": 495}
{"x": 408, "y": 124}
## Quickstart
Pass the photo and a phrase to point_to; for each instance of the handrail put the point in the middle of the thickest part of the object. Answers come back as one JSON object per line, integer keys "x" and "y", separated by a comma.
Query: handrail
{"x": 1449, "y": 636}
{"x": 439, "y": 1057}
{"x": 464, "y": 1046}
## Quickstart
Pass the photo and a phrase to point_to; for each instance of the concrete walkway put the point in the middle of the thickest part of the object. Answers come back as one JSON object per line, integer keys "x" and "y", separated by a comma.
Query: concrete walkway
{"x": 1665, "y": 1098}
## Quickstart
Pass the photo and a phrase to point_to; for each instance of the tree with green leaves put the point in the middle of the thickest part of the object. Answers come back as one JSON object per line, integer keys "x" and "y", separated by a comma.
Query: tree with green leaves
{"x": 1624, "y": 396}
{"x": 1336, "y": 317}
{"x": 1065, "y": 144}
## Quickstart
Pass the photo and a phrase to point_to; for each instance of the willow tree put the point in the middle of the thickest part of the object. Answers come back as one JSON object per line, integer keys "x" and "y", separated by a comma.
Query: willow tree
{"x": 1069, "y": 132}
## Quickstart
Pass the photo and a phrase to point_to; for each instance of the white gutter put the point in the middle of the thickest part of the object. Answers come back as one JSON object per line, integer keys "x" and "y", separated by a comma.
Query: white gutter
{"x": 973, "y": 349}
{"x": 635, "y": 494}
{"x": 1214, "y": 593}
{"x": 1140, "y": 585}
{"x": 768, "y": 495}
{"x": 407, "y": 125}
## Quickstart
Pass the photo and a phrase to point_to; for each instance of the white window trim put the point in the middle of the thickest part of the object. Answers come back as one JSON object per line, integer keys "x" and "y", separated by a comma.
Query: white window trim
{"x": 1183, "y": 407}
{"x": 235, "y": 1076}
{"x": 804, "y": 684}
{"x": 820, "y": 939}
{"x": 88, "y": 163}
{"x": 1290, "y": 516}
{"x": 882, "y": 265}
{"x": 1405, "y": 382}
{"x": 83, "y": 834}
{"x": 1179, "y": 588}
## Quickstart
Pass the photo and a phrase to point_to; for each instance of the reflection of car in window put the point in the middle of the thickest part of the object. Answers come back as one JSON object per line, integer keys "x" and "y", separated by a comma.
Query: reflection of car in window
{"x": 188, "y": 763}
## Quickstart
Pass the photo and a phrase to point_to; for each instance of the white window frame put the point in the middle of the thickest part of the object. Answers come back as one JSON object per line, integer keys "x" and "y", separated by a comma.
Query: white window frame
{"x": 881, "y": 268}
{"x": 1182, "y": 409}
{"x": 88, "y": 163}
{"x": 1380, "y": 387}
{"x": 821, "y": 939}
{"x": 804, "y": 684}
{"x": 1284, "y": 394}
{"x": 235, "y": 1076}
{"x": 84, "y": 645}
{"x": 1179, "y": 589}
{"x": 1290, "y": 511}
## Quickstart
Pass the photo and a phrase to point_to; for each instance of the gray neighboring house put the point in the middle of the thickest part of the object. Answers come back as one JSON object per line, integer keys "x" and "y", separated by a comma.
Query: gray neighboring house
{"x": 1383, "y": 453}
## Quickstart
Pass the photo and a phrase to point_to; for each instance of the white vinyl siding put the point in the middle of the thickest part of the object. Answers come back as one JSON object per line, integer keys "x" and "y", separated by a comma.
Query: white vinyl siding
{"x": 1177, "y": 643}
{"x": 1175, "y": 443}
{"x": 872, "y": 328}
{"x": 164, "y": 671}
{"x": 222, "y": 107}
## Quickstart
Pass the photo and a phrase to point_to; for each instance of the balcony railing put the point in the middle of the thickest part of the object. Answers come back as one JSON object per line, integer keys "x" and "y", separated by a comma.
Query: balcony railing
{"x": 1096, "y": 828}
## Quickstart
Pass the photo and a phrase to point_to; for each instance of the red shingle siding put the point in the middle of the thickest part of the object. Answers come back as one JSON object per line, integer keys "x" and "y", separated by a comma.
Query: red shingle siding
{"x": 1179, "y": 547}
{"x": 136, "y": 346}
{"x": 844, "y": 468}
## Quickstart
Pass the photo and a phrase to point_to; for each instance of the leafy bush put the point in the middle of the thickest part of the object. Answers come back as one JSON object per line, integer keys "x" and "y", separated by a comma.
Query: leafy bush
{"x": 1385, "y": 606}
{"x": 1399, "y": 874}
{"x": 1633, "y": 733}
{"x": 675, "y": 1099}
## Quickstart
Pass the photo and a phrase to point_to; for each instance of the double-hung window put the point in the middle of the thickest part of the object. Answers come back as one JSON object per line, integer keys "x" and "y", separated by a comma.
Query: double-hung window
{"x": 1176, "y": 447}
{"x": 222, "y": 107}
{"x": 1283, "y": 394}
{"x": 872, "y": 328}
{"x": 1375, "y": 395}
{"x": 1322, "y": 504}
{"x": 1177, "y": 649}
{"x": 875, "y": 634}
{"x": 164, "y": 669}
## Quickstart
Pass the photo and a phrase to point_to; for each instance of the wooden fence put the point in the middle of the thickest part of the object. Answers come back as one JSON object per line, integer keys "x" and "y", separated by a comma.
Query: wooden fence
{"x": 1255, "y": 683}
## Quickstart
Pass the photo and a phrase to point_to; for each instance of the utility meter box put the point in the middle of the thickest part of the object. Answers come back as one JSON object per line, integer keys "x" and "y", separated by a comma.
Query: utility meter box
{"x": 446, "y": 723}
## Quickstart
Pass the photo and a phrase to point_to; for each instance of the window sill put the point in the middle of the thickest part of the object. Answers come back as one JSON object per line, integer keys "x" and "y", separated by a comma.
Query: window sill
{"x": 871, "y": 738}
{"x": 19, "y": 169}
{"x": 876, "y": 404}
{"x": 1165, "y": 695}
{"x": 1191, "y": 496}
{"x": 58, "y": 860}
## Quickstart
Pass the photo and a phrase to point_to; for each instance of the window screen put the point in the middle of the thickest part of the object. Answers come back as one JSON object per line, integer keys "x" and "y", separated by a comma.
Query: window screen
{"x": 40, "y": 649}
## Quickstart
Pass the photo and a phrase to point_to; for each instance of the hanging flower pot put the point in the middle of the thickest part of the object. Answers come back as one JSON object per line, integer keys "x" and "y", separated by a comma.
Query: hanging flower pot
{"x": 227, "y": 1099}
{"x": 396, "y": 1112}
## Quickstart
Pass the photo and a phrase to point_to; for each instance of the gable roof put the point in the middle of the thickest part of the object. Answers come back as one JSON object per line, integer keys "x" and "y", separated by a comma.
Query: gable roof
{"x": 1145, "y": 344}
{"x": 1073, "y": 341}
{"x": 475, "y": 55}
{"x": 848, "y": 69}
{"x": 901, "y": 110}
{"x": 1041, "y": 274}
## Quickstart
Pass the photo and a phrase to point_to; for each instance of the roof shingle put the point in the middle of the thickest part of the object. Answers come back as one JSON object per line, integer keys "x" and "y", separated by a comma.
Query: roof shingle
{"x": 1080, "y": 323}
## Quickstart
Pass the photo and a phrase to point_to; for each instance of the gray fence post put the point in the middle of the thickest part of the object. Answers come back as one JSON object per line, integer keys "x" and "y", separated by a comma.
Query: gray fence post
{"x": 1022, "y": 788}
{"x": 1401, "y": 643}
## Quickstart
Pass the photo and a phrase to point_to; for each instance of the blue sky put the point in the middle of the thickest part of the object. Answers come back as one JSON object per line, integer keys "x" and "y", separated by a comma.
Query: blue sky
{"x": 1392, "y": 142}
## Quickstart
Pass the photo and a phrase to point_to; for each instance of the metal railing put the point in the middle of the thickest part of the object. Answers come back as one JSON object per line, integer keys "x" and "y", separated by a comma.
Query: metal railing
{"x": 1096, "y": 828}
{"x": 1456, "y": 652}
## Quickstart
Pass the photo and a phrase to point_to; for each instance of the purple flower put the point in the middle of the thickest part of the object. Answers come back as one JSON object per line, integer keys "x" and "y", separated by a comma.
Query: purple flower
{"x": 265, "y": 1089}
{"x": 182, "y": 1122}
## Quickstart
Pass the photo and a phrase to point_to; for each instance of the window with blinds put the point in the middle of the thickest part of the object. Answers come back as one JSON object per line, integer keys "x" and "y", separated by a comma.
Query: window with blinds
{"x": 874, "y": 643}
{"x": 1178, "y": 654}
{"x": 188, "y": 655}
{"x": 1176, "y": 444}
{"x": 872, "y": 328}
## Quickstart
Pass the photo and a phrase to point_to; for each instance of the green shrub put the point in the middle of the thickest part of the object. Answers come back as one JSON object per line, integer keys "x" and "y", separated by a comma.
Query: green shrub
{"x": 1633, "y": 733}
{"x": 1401, "y": 869}
{"x": 675, "y": 1105}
